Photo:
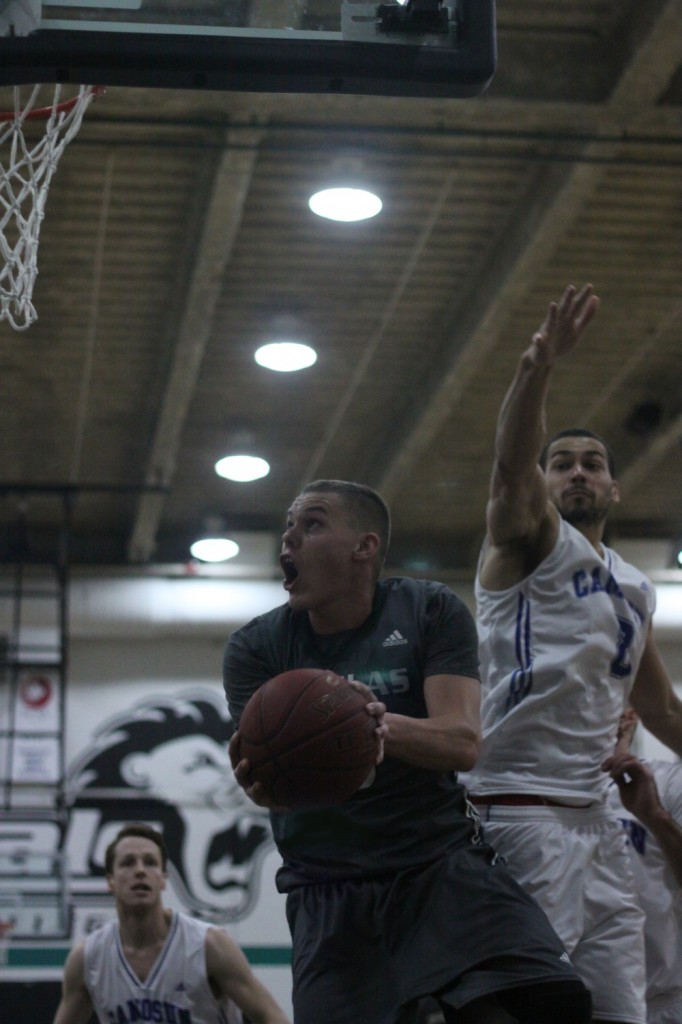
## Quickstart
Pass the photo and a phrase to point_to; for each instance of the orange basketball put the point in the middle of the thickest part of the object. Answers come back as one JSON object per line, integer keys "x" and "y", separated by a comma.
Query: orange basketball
{"x": 308, "y": 738}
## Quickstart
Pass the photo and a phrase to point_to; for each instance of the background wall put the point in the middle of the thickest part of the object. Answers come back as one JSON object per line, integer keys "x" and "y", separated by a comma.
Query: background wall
{"x": 146, "y": 732}
{"x": 145, "y": 736}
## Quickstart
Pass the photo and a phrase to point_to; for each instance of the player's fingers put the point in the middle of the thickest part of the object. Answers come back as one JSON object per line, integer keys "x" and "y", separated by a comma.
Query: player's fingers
{"x": 580, "y": 298}
{"x": 233, "y": 750}
{"x": 259, "y": 794}
{"x": 617, "y": 762}
{"x": 363, "y": 689}
{"x": 588, "y": 314}
{"x": 550, "y": 320}
{"x": 242, "y": 772}
{"x": 566, "y": 300}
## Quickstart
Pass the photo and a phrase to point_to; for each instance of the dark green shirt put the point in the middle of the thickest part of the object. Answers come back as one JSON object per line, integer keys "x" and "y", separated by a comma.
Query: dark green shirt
{"x": 408, "y": 815}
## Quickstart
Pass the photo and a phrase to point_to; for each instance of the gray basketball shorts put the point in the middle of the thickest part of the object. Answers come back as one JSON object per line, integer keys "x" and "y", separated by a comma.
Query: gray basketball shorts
{"x": 460, "y": 927}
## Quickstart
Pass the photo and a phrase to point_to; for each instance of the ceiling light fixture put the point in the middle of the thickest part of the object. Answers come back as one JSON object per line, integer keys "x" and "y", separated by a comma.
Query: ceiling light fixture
{"x": 345, "y": 204}
{"x": 285, "y": 356}
{"x": 242, "y": 468}
{"x": 347, "y": 197}
{"x": 214, "y": 549}
{"x": 214, "y": 545}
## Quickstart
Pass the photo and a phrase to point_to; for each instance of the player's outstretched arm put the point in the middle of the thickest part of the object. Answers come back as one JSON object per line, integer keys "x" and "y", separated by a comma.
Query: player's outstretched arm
{"x": 518, "y": 498}
{"x": 231, "y": 977}
{"x": 75, "y": 1006}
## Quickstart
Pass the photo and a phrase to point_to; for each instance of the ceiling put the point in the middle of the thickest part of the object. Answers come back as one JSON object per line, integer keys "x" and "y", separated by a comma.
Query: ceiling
{"x": 177, "y": 239}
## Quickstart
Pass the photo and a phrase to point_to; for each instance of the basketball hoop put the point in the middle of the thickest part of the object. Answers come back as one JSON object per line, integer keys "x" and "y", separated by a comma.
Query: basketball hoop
{"x": 25, "y": 176}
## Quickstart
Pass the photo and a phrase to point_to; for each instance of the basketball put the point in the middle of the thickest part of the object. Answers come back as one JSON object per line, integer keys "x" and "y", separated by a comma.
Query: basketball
{"x": 308, "y": 738}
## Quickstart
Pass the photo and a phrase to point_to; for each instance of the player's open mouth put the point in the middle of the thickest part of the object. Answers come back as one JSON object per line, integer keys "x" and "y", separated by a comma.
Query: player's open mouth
{"x": 290, "y": 571}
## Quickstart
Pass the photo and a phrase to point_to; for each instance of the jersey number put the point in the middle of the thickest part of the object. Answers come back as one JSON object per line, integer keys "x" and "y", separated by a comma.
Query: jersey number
{"x": 621, "y": 665}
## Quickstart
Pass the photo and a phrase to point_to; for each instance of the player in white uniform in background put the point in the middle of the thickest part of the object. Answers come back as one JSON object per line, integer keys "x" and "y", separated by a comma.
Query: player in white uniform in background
{"x": 648, "y": 801}
{"x": 565, "y": 641}
{"x": 154, "y": 964}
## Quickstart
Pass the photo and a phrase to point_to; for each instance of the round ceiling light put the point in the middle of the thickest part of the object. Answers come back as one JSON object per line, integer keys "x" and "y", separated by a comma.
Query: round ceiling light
{"x": 285, "y": 356}
{"x": 214, "y": 549}
{"x": 345, "y": 204}
{"x": 242, "y": 468}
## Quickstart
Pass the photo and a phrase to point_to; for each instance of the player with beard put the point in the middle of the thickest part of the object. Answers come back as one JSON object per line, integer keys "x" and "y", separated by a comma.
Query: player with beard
{"x": 565, "y": 642}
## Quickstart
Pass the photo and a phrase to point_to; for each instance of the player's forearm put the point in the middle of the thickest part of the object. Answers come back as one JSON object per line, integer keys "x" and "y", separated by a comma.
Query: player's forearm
{"x": 272, "y": 1014}
{"x": 521, "y": 422}
{"x": 256, "y": 1002}
{"x": 258, "y": 1005}
{"x": 441, "y": 743}
{"x": 654, "y": 699}
{"x": 73, "y": 1010}
{"x": 276, "y": 1018}
{"x": 669, "y": 835}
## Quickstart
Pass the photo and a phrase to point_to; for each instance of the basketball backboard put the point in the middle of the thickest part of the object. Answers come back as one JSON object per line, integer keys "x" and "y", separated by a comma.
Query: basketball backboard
{"x": 414, "y": 48}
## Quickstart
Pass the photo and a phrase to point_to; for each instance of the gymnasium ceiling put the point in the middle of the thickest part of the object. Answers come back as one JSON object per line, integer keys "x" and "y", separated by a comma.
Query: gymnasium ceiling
{"x": 177, "y": 239}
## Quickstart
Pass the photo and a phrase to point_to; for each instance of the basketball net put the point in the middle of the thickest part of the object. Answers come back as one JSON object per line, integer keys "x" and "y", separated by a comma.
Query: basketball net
{"x": 26, "y": 169}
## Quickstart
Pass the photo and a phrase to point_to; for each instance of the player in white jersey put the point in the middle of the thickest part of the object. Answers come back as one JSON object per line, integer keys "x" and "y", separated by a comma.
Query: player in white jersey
{"x": 565, "y": 639}
{"x": 648, "y": 801}
{"x": 154, "y": 964}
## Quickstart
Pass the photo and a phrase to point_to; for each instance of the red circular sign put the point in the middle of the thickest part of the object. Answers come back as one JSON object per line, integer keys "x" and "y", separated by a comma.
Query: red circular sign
{"x": 35, "y": 691}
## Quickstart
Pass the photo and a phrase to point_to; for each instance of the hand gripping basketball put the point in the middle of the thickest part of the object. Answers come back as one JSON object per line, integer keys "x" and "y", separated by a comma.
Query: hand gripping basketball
{"x": 308, "y": 738}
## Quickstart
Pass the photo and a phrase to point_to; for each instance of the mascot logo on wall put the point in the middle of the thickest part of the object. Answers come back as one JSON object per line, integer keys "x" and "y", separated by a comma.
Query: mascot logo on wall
{"x": 165, "y": 761}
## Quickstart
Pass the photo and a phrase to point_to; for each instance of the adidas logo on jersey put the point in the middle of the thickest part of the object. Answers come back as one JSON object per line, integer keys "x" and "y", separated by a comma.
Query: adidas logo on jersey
{"x": 394, "y": 639}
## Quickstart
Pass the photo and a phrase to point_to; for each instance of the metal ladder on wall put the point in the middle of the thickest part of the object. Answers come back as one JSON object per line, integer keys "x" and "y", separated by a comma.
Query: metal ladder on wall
{"x": 33, "y": 678}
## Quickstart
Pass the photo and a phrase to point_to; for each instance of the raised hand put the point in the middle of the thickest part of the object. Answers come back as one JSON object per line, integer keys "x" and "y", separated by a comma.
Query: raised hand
{"x": 637, "y": 786}
{"x": 565, "y": 322}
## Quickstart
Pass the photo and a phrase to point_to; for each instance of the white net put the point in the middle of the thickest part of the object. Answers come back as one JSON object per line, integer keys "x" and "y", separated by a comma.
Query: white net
{"x": 26, "y": 169}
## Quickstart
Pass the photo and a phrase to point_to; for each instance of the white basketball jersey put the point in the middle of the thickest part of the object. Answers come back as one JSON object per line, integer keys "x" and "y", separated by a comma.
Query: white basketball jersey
{"x": 559, "y": 654}
{"x": 658, "y": 891}
{"x": 176, "y": 990}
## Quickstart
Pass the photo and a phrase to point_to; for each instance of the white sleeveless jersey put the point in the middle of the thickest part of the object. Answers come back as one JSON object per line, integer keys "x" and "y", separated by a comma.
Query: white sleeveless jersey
{"x": 559, "y": 654}
{"x": 658, "y": 891}
{"x": 176, "y": 991}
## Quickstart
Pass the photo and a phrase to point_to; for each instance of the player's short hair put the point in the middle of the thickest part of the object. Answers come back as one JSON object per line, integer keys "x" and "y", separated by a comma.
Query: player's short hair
{"x": 367, "y": 508}
{"x": 134, "y": 828}
{"x": 579, "y": 432}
